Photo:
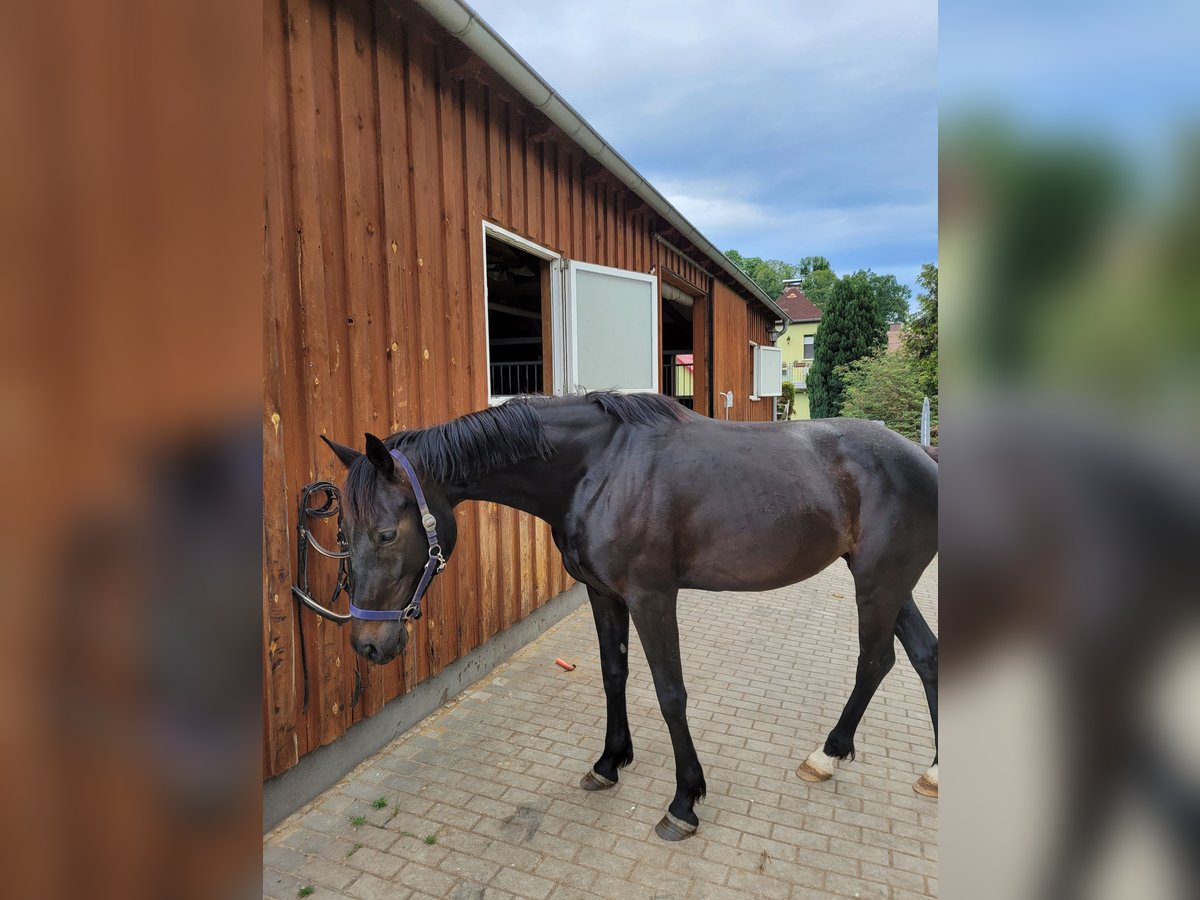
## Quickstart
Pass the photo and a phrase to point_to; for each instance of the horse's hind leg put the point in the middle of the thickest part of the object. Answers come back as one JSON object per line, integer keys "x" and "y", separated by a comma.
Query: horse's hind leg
{"x": 658, "y": 628}
{"x": 921, "y": 645}
{"x": 878, "y": 608}
{"x": 612, "y": 628}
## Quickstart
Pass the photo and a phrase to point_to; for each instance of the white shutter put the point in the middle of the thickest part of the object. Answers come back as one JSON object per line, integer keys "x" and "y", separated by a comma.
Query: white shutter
{"x": 612, "y": 328}
{"x": 768, "y": 371}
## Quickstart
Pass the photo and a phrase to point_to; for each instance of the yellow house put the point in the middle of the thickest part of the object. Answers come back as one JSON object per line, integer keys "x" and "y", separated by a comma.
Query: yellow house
{"x": 796, "y": 342}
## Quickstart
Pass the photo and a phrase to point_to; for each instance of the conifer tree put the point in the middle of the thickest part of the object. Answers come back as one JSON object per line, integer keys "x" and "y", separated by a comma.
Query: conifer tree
{"x": 851, "y": 327}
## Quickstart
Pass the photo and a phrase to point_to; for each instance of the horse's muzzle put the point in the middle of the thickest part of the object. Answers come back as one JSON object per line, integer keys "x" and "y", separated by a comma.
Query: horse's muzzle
{"x": 379, "y": 642}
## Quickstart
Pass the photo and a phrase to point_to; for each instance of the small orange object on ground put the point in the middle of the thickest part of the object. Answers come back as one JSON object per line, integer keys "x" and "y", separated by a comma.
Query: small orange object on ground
{"x": 566, "y": 665}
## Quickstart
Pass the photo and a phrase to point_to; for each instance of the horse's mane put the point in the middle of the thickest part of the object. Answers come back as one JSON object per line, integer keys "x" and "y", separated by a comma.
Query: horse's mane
{"x": 466, "y": 448}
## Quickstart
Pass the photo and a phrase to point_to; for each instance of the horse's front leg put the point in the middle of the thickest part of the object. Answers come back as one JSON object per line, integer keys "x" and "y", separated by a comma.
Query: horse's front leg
{"x": 612, "y": 628}
{"x": 657, "y": 627}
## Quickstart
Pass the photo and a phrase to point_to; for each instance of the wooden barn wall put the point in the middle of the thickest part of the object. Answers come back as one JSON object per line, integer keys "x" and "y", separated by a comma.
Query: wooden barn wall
{"x": 386, "y": 145}
{"x": 735, "y": 325}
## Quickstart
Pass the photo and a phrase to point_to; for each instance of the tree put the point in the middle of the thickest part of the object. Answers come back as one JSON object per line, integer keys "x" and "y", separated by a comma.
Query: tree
{"x": 851, "y": 327}
{"x": 885, "y": 387}
{"x": 921, "y": 333}
{"x": 817, "y": 285}
{"x": 768, "y": 274}
{"x": 811, "y": 264}
{"x": 890, "y": 295}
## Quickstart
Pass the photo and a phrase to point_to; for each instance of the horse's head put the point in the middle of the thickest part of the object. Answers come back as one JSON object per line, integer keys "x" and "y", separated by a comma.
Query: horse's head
{"x": 388, "y": 546}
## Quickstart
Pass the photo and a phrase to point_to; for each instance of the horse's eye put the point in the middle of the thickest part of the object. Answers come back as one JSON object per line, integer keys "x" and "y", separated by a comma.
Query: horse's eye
{"x": 386, "y": 537}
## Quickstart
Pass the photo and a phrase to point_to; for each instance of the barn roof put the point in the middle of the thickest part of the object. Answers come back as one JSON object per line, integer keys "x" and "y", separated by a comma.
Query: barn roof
{"x": 465, "y": 24}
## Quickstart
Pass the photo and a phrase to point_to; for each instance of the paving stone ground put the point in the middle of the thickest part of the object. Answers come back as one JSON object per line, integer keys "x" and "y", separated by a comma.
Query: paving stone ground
{"x": 483, "y": 798}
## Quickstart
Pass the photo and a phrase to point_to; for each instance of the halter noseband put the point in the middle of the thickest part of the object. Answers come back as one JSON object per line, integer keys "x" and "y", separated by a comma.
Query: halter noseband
{"x": 433, "y": 565}
{"x": 331, "y": 507}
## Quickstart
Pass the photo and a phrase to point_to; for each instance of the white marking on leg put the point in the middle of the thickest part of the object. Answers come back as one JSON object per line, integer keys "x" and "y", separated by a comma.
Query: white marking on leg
{"x": 822, "y": 762}
{"x": 931, "y": 774}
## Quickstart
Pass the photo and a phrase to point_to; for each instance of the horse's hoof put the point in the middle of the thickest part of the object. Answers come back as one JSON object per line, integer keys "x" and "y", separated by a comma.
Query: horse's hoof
{"x": 818, "y": 767}
{"x": 927, "y": 784}
{"x": 591, "y": 781}
{"x": 673, "y": 829}
{"x": 809, "y": 773}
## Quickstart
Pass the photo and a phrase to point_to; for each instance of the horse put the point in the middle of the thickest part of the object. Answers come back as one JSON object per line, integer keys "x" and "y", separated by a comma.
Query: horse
{"x": 645, "y": 497}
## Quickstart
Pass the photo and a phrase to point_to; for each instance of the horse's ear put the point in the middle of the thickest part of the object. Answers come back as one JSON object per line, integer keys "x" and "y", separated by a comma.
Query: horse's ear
{"x": 379, "y": 456}
{"x": 346, "y": 454}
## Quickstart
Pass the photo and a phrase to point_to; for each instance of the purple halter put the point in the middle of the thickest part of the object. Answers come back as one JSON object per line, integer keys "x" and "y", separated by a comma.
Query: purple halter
{"x": 433, "y": 566}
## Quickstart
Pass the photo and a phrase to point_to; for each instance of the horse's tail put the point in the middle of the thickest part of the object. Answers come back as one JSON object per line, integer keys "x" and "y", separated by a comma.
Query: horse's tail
{"x": 932, "y": 451}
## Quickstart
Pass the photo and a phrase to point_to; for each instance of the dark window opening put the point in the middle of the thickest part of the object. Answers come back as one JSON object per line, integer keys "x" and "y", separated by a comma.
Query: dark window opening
{"x": 678, "y": 354}
{"x": 517, "y": 288}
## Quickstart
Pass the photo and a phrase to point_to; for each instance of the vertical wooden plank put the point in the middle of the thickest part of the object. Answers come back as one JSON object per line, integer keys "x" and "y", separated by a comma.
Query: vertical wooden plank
{"x": 533, "y": 192}
{"x": 316, "y": 188}
{"x": 515, "y": 151}
{"x": 476, "y": 161}
{"x": 528, "y": 576}
{"x": 541, "y": 563}
{"x": 578, "y": 211}
{"x": 365, "y": 261}
{"x": 588, "y": 249}
{"x": 549, "y": 197}
{"x": 280, "y": 665}
{"x": 455, "y": 312}
{"x": 562, "y": 192}
{"x": 425, "y": 126}
{"x": 497, "y": 129}
{"x": 510, "y": 565}
{"x": 402, "y": 344}
{"x": 490, "y": 576}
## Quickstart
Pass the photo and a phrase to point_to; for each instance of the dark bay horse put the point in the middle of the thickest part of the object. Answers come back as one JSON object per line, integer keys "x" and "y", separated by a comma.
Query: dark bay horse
{"x": 644, "y": 498}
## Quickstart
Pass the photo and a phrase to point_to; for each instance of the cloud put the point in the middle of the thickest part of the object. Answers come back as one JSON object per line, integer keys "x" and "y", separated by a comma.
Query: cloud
{"x": 781, "y": 127}
{"x": 711, "y": 206}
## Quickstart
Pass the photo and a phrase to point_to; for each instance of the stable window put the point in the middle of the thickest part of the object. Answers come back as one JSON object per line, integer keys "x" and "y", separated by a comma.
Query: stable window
{"x": 612, "y": 329}
{"x": 521, "y": 290}
{"x": 808, "y": 346}
{"x": 768, "y": 372}
{"x": 557, "y": 326}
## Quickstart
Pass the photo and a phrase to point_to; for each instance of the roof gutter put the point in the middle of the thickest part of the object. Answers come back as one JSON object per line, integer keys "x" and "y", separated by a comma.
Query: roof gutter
{"x": 466, "y": 25}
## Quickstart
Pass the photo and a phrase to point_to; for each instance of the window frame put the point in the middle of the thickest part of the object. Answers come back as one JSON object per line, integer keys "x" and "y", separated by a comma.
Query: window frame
{"x": 764, "y": 364}
{"x": 571, "y": 268}
{"x": 554, "y": 302}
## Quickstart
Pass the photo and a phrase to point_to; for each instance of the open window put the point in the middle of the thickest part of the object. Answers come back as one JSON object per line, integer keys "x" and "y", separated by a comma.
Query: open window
{"x": 612, "y": 329}
{"x": 521, "y": 291}
{"x": 768, "y": 371}
{"x": 556, "y": 325}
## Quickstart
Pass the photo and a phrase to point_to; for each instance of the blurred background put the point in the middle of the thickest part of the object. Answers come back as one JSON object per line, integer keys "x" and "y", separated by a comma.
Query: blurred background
{"x": 130, "y": 278}
{"x": 1070, "y": 264}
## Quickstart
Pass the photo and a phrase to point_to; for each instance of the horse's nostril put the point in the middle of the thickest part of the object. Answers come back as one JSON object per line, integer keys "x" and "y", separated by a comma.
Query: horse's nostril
{"x": 370, "y": 651}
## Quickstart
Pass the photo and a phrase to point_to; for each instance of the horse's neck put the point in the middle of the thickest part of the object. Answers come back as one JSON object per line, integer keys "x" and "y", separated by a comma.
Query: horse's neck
{"x": 543, "y": 487}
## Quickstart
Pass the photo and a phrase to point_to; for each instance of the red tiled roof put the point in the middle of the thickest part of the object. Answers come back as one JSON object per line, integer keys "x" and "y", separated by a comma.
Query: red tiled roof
{"x": 797, "y": 306}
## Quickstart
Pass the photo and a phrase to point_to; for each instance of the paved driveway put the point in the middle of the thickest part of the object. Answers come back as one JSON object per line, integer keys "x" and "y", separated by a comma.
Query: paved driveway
{"x": 482, "y": 797}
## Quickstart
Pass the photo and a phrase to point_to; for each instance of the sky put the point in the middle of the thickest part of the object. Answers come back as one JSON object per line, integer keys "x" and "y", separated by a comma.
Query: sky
{"x": 779, "y": 128}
